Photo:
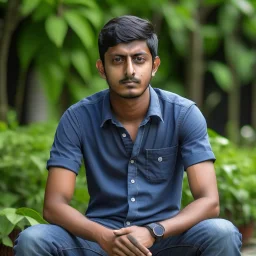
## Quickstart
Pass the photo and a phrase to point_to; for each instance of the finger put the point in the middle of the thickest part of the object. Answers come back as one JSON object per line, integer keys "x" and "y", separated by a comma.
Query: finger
{"x": 122, "y": 231}
{"x": 138, "y": 246}
{"x": 118, "y": 252}
{"x": 120, "y": 248}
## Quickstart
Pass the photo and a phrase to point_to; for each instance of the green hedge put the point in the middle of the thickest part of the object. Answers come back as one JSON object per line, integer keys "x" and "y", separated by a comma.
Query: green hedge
{"x": 236, "y": 176}
{"x": 23, "y": 155}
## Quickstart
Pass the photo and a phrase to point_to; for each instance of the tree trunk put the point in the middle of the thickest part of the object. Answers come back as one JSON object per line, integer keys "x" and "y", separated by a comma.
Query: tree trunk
{"x": 195, "y": 64}
{"x": 10, "y": 23}
{"x": 234, "y": 100}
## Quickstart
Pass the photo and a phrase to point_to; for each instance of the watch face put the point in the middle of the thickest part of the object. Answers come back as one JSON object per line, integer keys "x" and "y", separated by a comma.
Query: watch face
{"x": 158, "y": 230}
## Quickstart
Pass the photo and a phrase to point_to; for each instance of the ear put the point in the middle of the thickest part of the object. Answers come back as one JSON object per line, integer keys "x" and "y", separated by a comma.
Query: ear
{"x": 156, "y": 64}
{"x": 100, "y": 67}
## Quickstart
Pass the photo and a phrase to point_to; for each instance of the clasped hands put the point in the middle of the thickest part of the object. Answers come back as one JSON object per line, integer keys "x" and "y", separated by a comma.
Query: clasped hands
{"x": 133, "y": 241}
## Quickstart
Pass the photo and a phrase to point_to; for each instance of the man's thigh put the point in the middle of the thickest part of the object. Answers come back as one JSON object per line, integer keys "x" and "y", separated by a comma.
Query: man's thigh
{"x": 53, "y": 240}
{"x": 209, "y": 237}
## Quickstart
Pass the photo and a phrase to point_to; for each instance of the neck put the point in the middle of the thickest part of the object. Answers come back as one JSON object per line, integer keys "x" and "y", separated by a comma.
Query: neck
{"x": 130, "y": 110}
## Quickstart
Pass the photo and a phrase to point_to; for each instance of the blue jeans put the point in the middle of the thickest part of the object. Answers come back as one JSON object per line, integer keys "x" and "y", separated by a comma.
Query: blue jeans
{"x": 211, "y": 237}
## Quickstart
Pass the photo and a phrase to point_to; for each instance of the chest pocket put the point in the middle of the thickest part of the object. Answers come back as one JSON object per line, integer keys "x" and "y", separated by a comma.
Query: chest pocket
{"x": 160, "y": 163}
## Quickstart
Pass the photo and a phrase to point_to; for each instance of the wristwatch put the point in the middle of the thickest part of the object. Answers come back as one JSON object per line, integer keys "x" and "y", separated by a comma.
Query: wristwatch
{"x": 156, "y": 230}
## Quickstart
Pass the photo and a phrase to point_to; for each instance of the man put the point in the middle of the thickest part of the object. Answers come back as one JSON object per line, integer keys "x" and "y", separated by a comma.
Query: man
{"x": 136, "y": 142}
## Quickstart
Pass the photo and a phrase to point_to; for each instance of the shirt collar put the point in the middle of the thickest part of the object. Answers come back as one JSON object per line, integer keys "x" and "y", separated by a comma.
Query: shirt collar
{"x": 154, "y": 109}
{"x": 154, "y": 105}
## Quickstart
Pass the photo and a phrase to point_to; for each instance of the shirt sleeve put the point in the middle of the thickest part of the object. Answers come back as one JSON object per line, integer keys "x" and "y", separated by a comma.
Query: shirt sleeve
{"x": 195, "y": 145}
{"x": 66, "y": 149}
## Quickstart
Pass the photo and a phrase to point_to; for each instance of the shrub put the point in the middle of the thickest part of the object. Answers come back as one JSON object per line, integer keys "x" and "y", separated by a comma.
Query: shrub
{"x": 236, "y": 176}
{"x": 24, "y": 152}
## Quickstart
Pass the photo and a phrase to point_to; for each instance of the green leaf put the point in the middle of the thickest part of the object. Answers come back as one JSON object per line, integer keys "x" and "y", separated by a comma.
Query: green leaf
{"x": 211, "y": 36}
{"x": 94, "y": 16}
{"x": 30, "y": 40}
{"x": 28, "y": 6}
{"x": 88, "y": 3}
{"x": 81, "y": 27}
{"x": 7, "y": 211}
{"x": 14, "y": 218}
{"x": 244, "y": 6}
{"x": 31, "y": 214}
{"x": 7, "y": 241}
{"x": 81, "y": 62}
{"x": 228, "y": 19}
{"x": 244, "y": 68}
{"x": 44, "y": 10}
{"x": 222, "y": 75}
{"x": 56, "y": 28}
{"x": 51, "y": 71}
{"x": 52, "y": 78}
{"x": 6, "y": 226}
{"x": 213, "y": 2}
{"x": 249, "y": 27}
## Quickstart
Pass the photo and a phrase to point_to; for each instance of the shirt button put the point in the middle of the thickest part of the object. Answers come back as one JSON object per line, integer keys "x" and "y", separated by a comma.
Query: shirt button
{"x": 132, "y": 181}
{"x": 124, "y": 135}
{"x": 133, "y": 199}
{"x": 132, "y": 161}
{"x": 128, "y": 223}
{"x": 160, "y": 159}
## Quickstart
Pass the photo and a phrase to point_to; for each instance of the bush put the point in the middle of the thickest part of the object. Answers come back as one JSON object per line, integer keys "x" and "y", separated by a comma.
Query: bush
{"x": 236, "y": 176}
{"x": 24, "y": 152}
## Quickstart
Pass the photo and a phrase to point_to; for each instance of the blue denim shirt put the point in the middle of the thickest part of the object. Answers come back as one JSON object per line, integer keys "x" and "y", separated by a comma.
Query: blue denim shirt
{"x": 132, "y": 183}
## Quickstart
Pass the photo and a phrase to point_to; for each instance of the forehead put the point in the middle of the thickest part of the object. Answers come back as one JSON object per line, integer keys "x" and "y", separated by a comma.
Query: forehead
{"x": 130, "y": 48}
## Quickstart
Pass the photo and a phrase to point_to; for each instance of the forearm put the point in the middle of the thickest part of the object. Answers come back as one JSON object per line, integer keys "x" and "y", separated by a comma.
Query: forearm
{"x": 72, "y": 220}
{"x": 199, "y": 210}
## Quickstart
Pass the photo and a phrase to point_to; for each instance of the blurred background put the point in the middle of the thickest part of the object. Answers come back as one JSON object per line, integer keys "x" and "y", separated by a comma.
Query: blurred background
{"x": 48, "y": 50}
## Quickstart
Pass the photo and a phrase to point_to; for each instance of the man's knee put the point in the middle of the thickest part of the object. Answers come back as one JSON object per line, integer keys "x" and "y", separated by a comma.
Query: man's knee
{"x": 223, "y": 231}
{"x": 29, "y": 239}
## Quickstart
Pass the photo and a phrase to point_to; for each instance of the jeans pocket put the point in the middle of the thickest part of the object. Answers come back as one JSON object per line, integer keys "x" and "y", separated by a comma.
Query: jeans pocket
{"x": 160, "y": 163}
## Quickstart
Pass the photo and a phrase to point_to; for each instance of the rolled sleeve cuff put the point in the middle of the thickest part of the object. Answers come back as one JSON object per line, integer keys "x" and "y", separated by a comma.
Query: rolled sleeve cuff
{"x": 64, "y": 163}
{"x": 198, "y": 158}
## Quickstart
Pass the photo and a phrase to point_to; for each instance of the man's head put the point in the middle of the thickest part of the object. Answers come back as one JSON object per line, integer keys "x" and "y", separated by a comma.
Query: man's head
{"x": 126, "y": 29}
{"x": 128, "y": 56}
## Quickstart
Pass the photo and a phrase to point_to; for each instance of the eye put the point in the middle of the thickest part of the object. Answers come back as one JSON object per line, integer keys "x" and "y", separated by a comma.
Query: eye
{"x": 139, "y": 59}
{"x": 117, "y": 59}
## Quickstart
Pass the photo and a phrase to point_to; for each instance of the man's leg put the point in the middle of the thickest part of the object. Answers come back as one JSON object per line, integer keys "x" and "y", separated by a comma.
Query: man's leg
{"x": 213, "y": 237}
{"x": 53, "y": 240}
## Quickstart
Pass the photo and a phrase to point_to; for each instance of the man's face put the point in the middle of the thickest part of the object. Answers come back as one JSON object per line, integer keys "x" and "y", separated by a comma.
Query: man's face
{"x": 128, "y": 68}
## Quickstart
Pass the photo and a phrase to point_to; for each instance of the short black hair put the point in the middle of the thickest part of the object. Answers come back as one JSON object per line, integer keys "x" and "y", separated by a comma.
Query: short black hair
{"x": 125, "y": 29}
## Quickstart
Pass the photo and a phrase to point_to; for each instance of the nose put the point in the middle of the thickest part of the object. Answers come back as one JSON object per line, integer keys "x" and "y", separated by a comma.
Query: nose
{"x": 130, "y": 72}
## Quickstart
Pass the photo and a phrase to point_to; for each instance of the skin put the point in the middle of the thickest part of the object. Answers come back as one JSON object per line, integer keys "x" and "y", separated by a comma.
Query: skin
{"x": 128, "y": 70}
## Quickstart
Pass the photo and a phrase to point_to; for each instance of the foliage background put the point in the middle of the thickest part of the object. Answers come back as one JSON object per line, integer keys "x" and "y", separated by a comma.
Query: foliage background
{"x": 207, "y": 51}
{"x": 208, "y": 54}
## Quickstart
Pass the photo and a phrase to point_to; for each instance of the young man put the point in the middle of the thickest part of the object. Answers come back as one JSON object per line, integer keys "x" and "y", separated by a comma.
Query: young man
{"x": 136, "y": 142}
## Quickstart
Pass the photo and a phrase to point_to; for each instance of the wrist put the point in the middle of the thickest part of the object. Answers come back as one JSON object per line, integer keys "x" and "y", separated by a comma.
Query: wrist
{"x": 102, "y": 235}
{"x": 156, "y": 230}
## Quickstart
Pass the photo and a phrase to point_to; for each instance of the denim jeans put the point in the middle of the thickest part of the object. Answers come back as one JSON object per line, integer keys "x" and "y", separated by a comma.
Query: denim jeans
{"x": 213, "y": 237}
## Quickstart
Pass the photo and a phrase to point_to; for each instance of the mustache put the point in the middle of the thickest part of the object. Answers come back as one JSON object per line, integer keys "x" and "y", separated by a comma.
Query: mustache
{"x": 129, "y": 80}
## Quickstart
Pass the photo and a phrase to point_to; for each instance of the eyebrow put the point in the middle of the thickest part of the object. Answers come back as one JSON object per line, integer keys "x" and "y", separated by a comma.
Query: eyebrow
{"x": 124, "y": 55}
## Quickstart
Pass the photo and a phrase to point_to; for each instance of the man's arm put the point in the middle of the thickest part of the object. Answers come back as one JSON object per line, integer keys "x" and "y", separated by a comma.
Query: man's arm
{"x": 203, "y": 185}
{"x": 58, "y": 194}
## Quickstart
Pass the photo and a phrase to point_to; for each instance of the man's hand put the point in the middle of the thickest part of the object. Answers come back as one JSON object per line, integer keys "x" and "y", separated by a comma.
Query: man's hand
{"x": 137, "y": 239}
{"x": 127, "y": 241}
